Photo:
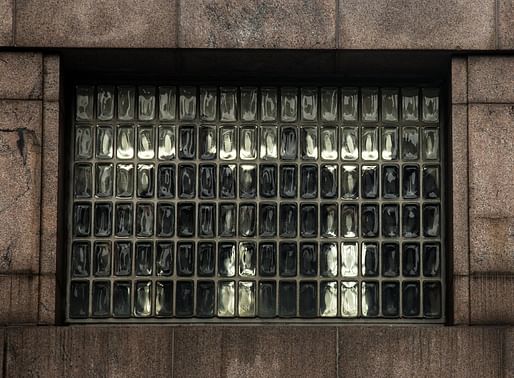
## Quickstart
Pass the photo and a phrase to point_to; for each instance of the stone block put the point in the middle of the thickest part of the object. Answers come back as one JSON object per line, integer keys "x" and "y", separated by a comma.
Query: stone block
{"x": 6, "y": 22}
{"x": 90, "y": 23}
{"x": 19, "y": 298}
{"x": 418, "y": 24}
{"x": 508, "y": 353}
{"x": 459, "y": 80}
{"x": 263, "y": 351}
{"x": 490, "y": 79}
{"x": 288, "y": 24}
{"x": 460, "y": 300}
{"x": 506, "y": 26}
{"x": 21, "y": 75}
{"x": 48, "y": 292}
{"x": 51, "y": 77}
{"x": 491, "y": 299}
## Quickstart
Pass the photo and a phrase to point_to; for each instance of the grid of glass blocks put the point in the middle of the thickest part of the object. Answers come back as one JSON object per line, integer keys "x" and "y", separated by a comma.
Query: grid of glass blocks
{"x": 256, "y": 204}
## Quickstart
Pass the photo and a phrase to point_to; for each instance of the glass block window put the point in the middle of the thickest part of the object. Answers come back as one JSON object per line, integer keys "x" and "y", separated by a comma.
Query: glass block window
{"x": 200, "y": 203}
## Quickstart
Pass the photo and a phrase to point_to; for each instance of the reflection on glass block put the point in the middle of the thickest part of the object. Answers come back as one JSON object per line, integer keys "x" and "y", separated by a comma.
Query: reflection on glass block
{"x": 370, "y": 104}
{"x": 83, "y": 181}
{"x": 247, "y": 181}
{"x": 390, "y": 221}
{"x": 227, "y": 259}
{"x": 208, "y": 97}
{"x": 124, "y": 180}
{"x": 80, "y": 259}
{"x": 350, "y": 104}
{"x": 349, "y": 259}
{"x": 83, "y": 143}
{"x": 389, "y": 105}
{"x": 329, "y": 104}
{"x": 308, "y": 299}
{"x": 146, "y": 103}
{"x": 369, "y": 221}
{"x": 228, "y": 181}
{"x": 123, "y": 218}
{"x": 267, "y": 299}
{"x": 390, "y": 182}
{"x": 144, "y": 259}
{"x": 228, "y": 149}
{"x": 184, "y": 298}
{"x": 186, "y": 219}
{"x": 431, "y": 183}
{"x": 390, "y": 299}
{"x": 289, "y": 104}
{"x": 432, "y": 299}
{"x": 248, "y": 143}
{"x": 163, "y": 298}
{"x": 288, "y": 143}
{"x": 431, "y": 220}
{"x": 164, "y": 259}
{"x": 328, "y": 260}
{"x": 123, "y": 258}
{"x": 370, "y": 298}
{"x": 79, "y": 299}
{"x": 185, "y": 259}
{"x": 288, "y": 220}
{"x": 186, "y": 181}
{"x": 410, "y": 104}
{"x": 227, "y": 220}
{"x": 144, "y": 219}
{"x": 206, "y": 259}
{"x": 166, "y": 181}
{"x": 228, "y": 104}
{"x": 187, "y": 143}
{"x": 287, "y": 259}
{"x": 370, "y": 260}
{"x": 104, "y": 143}
{"x": 410, "y": 143}
{"x": 269, "y": 143}
{"x": 349, "y": 299}
{"x": 369, "y": 142}
{"x": 410, "y": 298}
{"x": 349, "y": 143}
{"x": 410, "y": 260}
{"x": 430, "y": 105}
{"x": 390, "y": 260}
{"x": 105, "y": 103}
{"x": 410, "y": 221}
{"x": 288, "y": 181}
{"x": 143, "y": 299}
{"x": 226, "y": 298}
{"x": 207, "y": 180}
{"x": 431, "y": 260}
{"x": 309, "y": 104}
{"x": 121, "y": 299}
{"x": 287, "y": 299}
{"x": 82, "y": 219}
{"x": 309, "y": 259}
{"x": 410, "y": 181}
{"x": 145, "y": 180}
{"x": 269, "y": 104}
{"x": 309, "y": 143}
{"x": 389, "y": 144}
{"x": 268, "y": 220}
{"x": 329, "y": 220}
{"x": 247, "y": 259}
{"x": 350, "y": 181}
{"x": 102, "y": 259}
{"x": 309, "y": 181}
{"x": 84, "y": 103}
{"x": 187, "y": 104}
{"x": 167, "y": 103}
{"x": 309, "y": 221}
{"x": 430, "y": 144}
{"x": 103, "y": 219}
{"x": 167, "y": 143}
{"x": 206, "y": 220}
{"x": 369, "y": 181}
{"x": 328, "y": 143}
{"x": 125, "y": 143}
{"x": 267, "y": 259}
{"x": 268, "y": 181}
{"x": 205, "y": 299}
{"x": 104, "y": 180}
{"x": 328, "y": 299}
{"x": 247, "y": 220}
{"x": 165, "y": 220}
{"x": 126, "y": 103}
{"x": 328, "y": 181}
{"x": 145, "y": 143}
{"x": 246, "y": 299}
{"x": 349, "y": 221}
{"x": 248, "y": 104}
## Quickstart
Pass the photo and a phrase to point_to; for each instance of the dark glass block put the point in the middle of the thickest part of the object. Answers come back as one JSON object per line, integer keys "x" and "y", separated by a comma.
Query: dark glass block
{"x": 268, "y": 181}
{"x": 206, "y": 220}
{"x": 227, "y": 220}
{"x": 247, "y": 181}
{"x": 328, "y": 185}
{"x": 287, "y": 259}
{"x": 123, "y": 219}
{"x": 309, "y": 259}
{"x": 410, "y": 181}
{"x": 370, "y": 260}
{"x": 329, "y": 220}
{"x": 207, "y": 181}
{"x": 227, "y": 259}
{"x": 144, "y": 259}
{"x": 186, "y": 181}
{"x": 103, "y": 219}
{"x": 124, "y": 180}
{"x": 121, "y": 299}
{"x": 288, "y": 181}
{"x": 104, "y": 180}
{"x": 185, "y": 259}
{"x": 309, "y": 181}
{"x": 432, "y": 299}
{"x": 207, "y": 143}
{"x": 101, "y": 300}
{"x": 80, "y": 259}
{"x": 390, "y": 182}
{"x": 410, "y": 221}
{"x": 288, "y": 143}
{"x": 431, "y": 183}
{"x": 165, "y": 220}
{"x": 123, "y": 258}
{"x": 267, "y": 259}
{"x": 83, "y": 181}
{"x": 431, "y": 220}
{"x": 267, "y": 220}
{"x": 410, "y": 260}
{"x": 163, "y": 298}
{"x": 410, "y": 298}
{"x": 82, "y": 219}
{"x": 166, "y": 181}
{"x": 390, "y": 221}
{"x": 186, "y": 219}
{"x": 369, "y": 221}
{"x": 309, "y": 221}
{"x": 370, "y": 299}
{"x": 206, "y": 259}
{"x": 309, "y": 143}
{"x": 308, "y": 299}
{"x": 390, "y": 260}
{"x": 184, "y": 299}
{"x": 164, "y": 259}
{"x": 267, "y": 299}
{"x": 390, "y": 299}
{"x": 144, "y": 219}
{"x": 328, "y": 262}
{"x": 228, "y": 181}
{"x": 247, "y": 219}
{"x": 102, "y": 259}
{"x": 79, "y": 299}
{"x": 145, "y": 180}
{"x": 187, "y": 141}
{"x": 431, "y": 260}
{"x": 288, "y": 220}
{"x": 350, "y": 181}
{"x": 410, "y": 143}
{"x": 369, "y": 181}
{"x": 205, "y": 299}
{"x": 349, "y": 221}
{"x": 287, "y": 299}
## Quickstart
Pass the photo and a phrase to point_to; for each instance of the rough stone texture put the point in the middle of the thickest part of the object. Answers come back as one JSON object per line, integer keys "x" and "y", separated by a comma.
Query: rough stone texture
{"x": 492, "y": 299}
{"x": 460, "y": 300}
{"x": 21, "y": 75}
{"x": 51, "y": 79}
{"x": 90, "y": 23}
{"x": 19, "y": 298}
{"x": 262, "y": 351}
{"x": 296, "y": 24}
{"x": 47, "y": 294}
{"x": 418, "y": 24}
{"x": 491, "y": 79}
{"x": 508, "y": 353}
{"x": 506, "y": 24}
{"x": 420, "y": 351}
{"x": 459, "y": 80}
{"x": 6, "y": 18}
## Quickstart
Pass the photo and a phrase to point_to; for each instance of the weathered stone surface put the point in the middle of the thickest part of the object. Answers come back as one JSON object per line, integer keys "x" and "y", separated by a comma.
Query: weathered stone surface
{"x": 420, "y": 351}
{"x": 19, "y": 298}
{"x": 263, "y": 351}
{"x": 419, "y": 24}
{"x": 459, "y": 80}
{"x": 51, "y": 77}
{"x": 6, "y": 22}
{"x": 292, "y": 24}
{"x": 89, "y": 23}
{"x": 48, "y": 291}
{"x": 21, "y": 75}
{"x": 506, "y": 26}
{"x": 508, "y": 353}
{"x": 492, "y": 299}
{"x": 491, "y": 79}
{"x": 460, "y": 300}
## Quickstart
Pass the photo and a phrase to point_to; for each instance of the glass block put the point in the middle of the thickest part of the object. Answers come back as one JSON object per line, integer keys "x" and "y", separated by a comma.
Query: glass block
{"x": 267, "y": 299}
{"x": 432, "y": 299}
{"x": 104, "y": 180}
{"x": 430, "y": 105}
{"x": 391, "y": 299}
{"x": 185, "y": 259}
{"x": 389, "y": 143}
{"x": 369, "y": 181}
{"x": 349, "y": 299}
{"x": 144, "y": 259}
{"x": 431, "y": 260}
{"x": 328, "y": 299}
{"x": 206, "y": 259}
{"x": 328, "y": 184}
{"x": 430, "y": 144}
{"x": 205, "y": 299}
{"x": 83, "y": 143}
{"x": 410, "y": 221}
{"x": 309, "y": 181}
{"x": 431, "y": 182}
{"x": 410, "y": 299}
{"x": 167, "y": 103}
{"x": 287, "y": 259}
{"x": 309, "y": 259}
{"x": 186, "y": 219}
{"x": 248, "y": 104}
{"x": 269, "y": 104}
{"x": 80, "y": 259}
{"x": 288, "y": 143}
{"x": 206, "y": 220}
{"x": 187, "y": 104}
{"x": 267, "y": 220}
{"x": 228, "y": 150}
{"x": 369, "y": 140}
{"x": 350, "y": 104}
{"x": 411, "y": 260}
{"x": 165, "y": 220}
{"x": 431, "y": 220}
{"x": 410, "y": 143}
{"x": 186, "y": 181}
{"x": 124, "y": 180}
{"x": 79, "y": 299}
{"x": 389, "y": 105}
{"x": 83, "y": 181}
{"x": 105, "y": 103}
{"x": 247, "y": 259}
{"x": 187, "y": 143}
{"x": 349, "y": 181}
{"x": 228, "y": 104}
{"x": 184, "y": 298}
{"x": 390, "y": 260}
{"x": 104, "y": 143}
{"x": 167, "y": 143}
{"x": 246, "y": 299}
{"x": 123, "y": 258}
{"x": 121, "y": 302}
{"x": 369, "y": 221}
{"x": 370, "y": 259}
{"x": 228, "y": 181}
{"x": 328, "y": 143}
{"x": 369, "y": 104}
{"x": 309, "y": 104}
{"x": 288, "y": 181}
{"x": 349, "y": 221}
{"x": 370, "y": 299}
{"x": 145, "y": 143}
{"x": 287, "y": 299}
{"x": 103, "y": 219}
{"x": 163, "y": 298}
{"x": 328, "y": 260}
{"x": 268, "y": 180}
{"x": 349, "y": 259}
{"x": 247, "y": 181}
{"x": 126, "y": 103}
{"x": 226, "y": 298}
{"x": 267, "y": 259}
{"x": 410, "y": 110}
{"x": 143, "y": 299}
{"x": 146, "y": 103}
{"x": 84, "y": 103}
{"x": 269, "y": 143}
{"x": 288, "y": 220}
{"x": 309, "y": 143}
{"x": 309, "y": 221}
{"x": 166, "y": 181}
{"x": 123, "y": 219}
{"x": 411, "y": 188}
{"x": 308, "y": 299}
{"x": 248, "y": 143}
{"x": 145, "y": 180}
{"x": 390, "y": 221}
{"x": 207, "y": 181}
{"x": 102, "y": 259}
{"x": 289, "y": 104}
{"x": 227, "y": 259}
{"x": 208, "y": 104}
{"x": 82, "y": 219}
{"x": 349, "y": 143}
{"x": 329, "y": 102}
{"x": 164, "y": 259}
{"x": 227, "y": 220}
{"x": 125, "y": 142}
{"x": 144, "y": 219}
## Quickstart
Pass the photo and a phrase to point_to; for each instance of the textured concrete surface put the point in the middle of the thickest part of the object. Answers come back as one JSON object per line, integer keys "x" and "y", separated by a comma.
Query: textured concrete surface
{"x": 460, "y": 301}
{"x": 20, "y": 75}
{"x": 51, "y": 77}
{"x": 19, "y": 298}
{"x": 459, "y": 80}
{"x": 6, "y": 24}
{"x": 506, "y": 27}
{"x": 491, "y": 79}
{"x": 491, "y": 299}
